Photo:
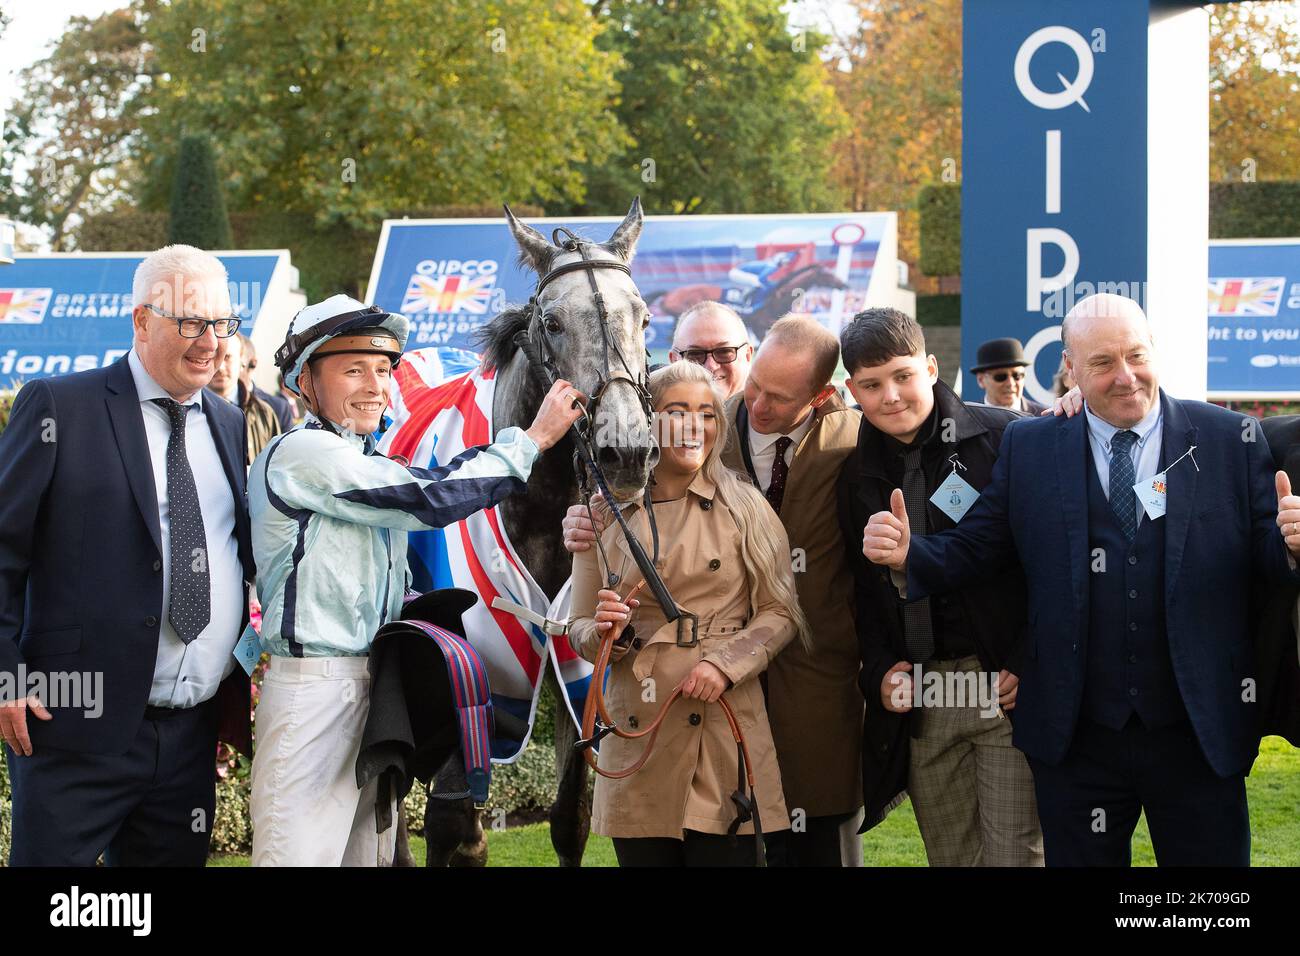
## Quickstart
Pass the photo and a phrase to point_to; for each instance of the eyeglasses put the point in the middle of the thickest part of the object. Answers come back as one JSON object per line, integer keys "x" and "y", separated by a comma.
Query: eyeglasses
{"x": 723, "y": 354}
{"x": 193, "y": 328}
{"x": 1002, "y": 376}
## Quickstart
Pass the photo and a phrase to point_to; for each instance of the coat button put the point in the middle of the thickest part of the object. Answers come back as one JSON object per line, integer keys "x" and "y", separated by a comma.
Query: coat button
{"x": 151, "y": 621}
{"x": 157, "y": 565}
{"x": 1132, "y": 559}
{"x": 715, "y": 564}
{"x": 632, "y": 721}
{"x": 695, "y": 720}
{"x": 706, "y": 504}
{"x": 636, "y": 643}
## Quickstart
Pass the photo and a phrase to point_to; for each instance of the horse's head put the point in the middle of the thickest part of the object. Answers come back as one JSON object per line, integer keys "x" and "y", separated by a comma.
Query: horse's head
{"x": 603, "y": 355}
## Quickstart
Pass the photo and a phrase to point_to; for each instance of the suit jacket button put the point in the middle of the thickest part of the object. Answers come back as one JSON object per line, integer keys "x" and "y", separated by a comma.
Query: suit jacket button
{"x": 695, "y": 720}
{"x": 157, "y": 565}
{"x": 715, "y": 564}
{"x": 151, "y": 621}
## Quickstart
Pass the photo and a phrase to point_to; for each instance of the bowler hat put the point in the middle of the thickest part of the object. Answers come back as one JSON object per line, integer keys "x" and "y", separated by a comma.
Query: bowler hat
{"x": 998, "y": 353}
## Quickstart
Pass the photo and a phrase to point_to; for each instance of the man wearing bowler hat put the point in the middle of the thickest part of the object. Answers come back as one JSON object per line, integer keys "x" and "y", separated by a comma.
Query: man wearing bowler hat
{"x": 1000, "y": 370}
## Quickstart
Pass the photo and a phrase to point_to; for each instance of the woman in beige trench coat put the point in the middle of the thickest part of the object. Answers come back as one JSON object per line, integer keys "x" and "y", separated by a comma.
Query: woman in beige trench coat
{"x": 724, "y": 556}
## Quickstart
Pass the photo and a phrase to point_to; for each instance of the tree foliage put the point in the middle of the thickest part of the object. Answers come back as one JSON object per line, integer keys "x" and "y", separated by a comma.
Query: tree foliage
{"x": 198, "y": 211}
{"x": 897, "y": 72}
{"x": 1254, "y": 92}
{"x": 75, "y": 116}
{"x": 728, "y": 110}
{"x": 352, "y": 108}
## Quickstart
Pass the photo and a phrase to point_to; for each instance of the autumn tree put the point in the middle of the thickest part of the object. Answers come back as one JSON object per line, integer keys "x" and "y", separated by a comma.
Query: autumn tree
{"x": 350, "y": 110}
{"x": 74, "y": 118}
{"x": 1254, "y": 92}
{"x": 897, "y": 71}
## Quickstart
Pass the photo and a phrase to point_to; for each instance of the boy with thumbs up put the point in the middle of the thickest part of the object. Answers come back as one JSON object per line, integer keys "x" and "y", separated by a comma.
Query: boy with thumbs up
{"x": 939, "y": 676}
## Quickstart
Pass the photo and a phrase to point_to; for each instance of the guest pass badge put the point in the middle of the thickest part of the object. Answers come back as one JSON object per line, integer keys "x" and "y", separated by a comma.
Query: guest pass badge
{"x": 1152, "y": 491}
{"x": 249, "y": 649}
{"x": 955, "y": 494}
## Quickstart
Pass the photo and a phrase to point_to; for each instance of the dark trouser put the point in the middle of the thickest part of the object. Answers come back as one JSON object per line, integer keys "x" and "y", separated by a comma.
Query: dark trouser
{"x": 1089, "y": 804}
{"x": 697, "y": 849}
{"x": 151, "y": 806}
{"x": 817, "y": 845}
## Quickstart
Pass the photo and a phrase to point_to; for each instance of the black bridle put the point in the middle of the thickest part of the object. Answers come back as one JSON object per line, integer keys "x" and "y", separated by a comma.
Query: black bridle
{"x": 540, "y": 354}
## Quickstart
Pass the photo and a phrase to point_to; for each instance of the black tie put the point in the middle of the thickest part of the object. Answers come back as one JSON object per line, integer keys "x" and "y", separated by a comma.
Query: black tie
{"x": 191, "y": 584}
{"x": 776, "y": 488}
{"x": 918, "y": 628}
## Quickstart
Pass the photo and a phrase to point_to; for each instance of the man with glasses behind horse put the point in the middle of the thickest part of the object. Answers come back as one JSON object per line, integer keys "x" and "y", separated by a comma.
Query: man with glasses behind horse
{"x": 124, "y": 552}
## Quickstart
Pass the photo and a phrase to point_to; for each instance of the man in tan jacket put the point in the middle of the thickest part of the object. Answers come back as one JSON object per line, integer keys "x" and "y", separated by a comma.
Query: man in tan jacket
{"x": 790, "y": 435}
{"x": 813, "y": 701}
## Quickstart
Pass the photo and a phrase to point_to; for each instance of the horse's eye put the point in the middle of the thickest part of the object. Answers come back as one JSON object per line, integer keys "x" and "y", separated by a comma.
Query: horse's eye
{"x": 645, "y": 322}
{"x": 553, "y": 326}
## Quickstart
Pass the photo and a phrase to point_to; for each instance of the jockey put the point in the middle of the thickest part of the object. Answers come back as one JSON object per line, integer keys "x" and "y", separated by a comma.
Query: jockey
{"x": 330, "y": 518}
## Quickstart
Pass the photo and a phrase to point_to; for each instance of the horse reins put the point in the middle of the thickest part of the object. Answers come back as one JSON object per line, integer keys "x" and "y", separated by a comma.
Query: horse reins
{"x": 542, "y": 361}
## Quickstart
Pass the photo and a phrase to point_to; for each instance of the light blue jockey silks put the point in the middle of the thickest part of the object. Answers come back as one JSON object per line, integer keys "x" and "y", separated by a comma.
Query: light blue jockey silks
{"x": 330, "y": 518}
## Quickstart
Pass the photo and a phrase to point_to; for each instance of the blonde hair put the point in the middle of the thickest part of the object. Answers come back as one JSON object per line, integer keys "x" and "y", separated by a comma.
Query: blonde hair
{"x": 763, "y": 559}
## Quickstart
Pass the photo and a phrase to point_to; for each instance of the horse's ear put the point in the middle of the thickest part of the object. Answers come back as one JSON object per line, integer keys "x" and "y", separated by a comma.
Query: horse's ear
{"x": 536, "y": 251}
{"x": 623, "y": 242}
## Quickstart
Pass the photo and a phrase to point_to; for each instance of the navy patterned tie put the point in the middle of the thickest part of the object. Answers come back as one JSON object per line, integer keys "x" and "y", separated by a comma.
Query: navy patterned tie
{"x": 776, "y": 489}
{"x": 1123, "y": 499}
{"x": 191, "y": 585}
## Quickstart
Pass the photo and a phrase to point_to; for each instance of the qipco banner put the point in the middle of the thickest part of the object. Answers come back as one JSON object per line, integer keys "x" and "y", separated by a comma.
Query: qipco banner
{"x": 1072, "y": 113}
{"x": 450, "y": 277}
{"x": 69, "y": 312}
{"x": 1254, "y": 318}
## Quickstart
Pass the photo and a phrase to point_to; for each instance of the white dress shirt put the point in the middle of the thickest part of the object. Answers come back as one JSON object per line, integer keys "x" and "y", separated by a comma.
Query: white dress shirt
{"x": 1145, "y": 451}
{"x": 188, "y": 674}
{"x": 762, "y": 449}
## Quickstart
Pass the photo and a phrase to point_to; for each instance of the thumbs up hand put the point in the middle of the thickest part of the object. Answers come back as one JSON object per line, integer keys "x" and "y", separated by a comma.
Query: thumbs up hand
{"x": 887, "y": 535}
{"x": 1288, "y": 513}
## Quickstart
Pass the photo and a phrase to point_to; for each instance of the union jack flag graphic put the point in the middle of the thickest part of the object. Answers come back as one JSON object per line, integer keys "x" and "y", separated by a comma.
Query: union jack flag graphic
{"x": 1254, "y": 296}
{"x": 449, "y": 293}
{"x": 442, "y": 405}
{"x": 24, "y": 306}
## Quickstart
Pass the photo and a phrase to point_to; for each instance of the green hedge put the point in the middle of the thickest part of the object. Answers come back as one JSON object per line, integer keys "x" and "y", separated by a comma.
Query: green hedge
{"x": 939, "y": 206}
{"x": 938, "y": 309}
{"x": 1254, "y": 210}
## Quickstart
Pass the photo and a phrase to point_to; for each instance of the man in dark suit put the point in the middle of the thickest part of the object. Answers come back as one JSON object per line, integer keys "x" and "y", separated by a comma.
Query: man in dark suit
{"x": 1138, "y": 690}
{"x": 124, "y": 557}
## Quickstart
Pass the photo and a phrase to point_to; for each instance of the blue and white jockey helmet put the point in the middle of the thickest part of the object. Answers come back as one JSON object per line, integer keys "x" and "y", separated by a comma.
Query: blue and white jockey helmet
{"x": 340, "y": 324}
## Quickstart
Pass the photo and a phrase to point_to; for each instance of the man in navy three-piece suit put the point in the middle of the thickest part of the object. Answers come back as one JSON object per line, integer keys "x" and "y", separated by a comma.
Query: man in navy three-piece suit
{"x": 1138, "y": 692}
{"x": 124, "y": 552}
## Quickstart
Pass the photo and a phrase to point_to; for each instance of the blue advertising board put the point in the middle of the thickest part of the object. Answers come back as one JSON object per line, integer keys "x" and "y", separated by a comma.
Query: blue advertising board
{"x": 1254, "y": 318}
{"x": 72, "y": 312}
{"x": 450, "y": 277}
{"x": 1054, "y": 165}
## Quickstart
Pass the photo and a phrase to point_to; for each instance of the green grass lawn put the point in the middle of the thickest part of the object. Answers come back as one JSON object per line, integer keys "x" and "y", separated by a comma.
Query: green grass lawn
{"x": 1273, "y": 789}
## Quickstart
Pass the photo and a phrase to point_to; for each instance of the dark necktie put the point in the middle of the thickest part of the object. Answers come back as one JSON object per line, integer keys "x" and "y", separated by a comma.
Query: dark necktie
{"x": 1123, "y": 499}
{"x": 776, "y": 489}
{"x": 191, "y": 585}
{"x": 918, "y": 628}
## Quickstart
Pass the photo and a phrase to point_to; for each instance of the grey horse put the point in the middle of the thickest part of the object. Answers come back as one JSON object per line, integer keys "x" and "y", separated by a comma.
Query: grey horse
{"x": 567, "y": 312}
